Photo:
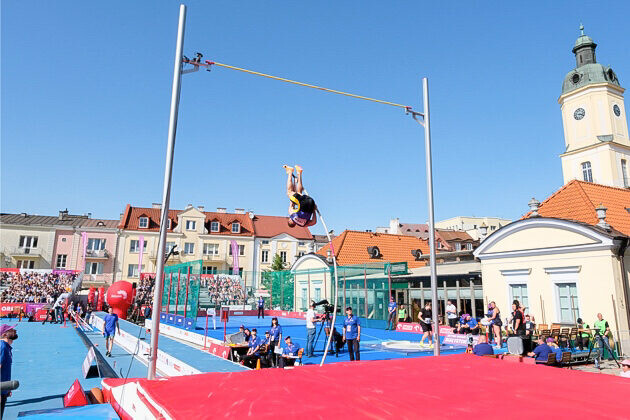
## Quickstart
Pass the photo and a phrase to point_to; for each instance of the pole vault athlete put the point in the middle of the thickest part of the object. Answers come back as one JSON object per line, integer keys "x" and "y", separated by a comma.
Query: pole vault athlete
{"x": 302, "y": 208}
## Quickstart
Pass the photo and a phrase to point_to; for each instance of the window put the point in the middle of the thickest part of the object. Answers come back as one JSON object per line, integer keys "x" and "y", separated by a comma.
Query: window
{"x": 301, "y": 243}
{"x": 143, "y": 222}
{"x": 469, "y": 246}
{"x": 214, "y": 226}
{"x": 94, "y": 268}
{"x": 240, "y": 271}
{"x": 61, "y": 261}
{"x": 493, "y": 228}
{"x": 587, "y": 173}
{"x": 207, "y": 269}
{"x": 95, "y": 244}
{"x": 169, "y": 246}
{"x": 300, "y": 254}
{"x": 134, "y": 246}
{"x": 283, "y": 255}
{"x": 458, "y": 246}
{"x": 519, "y": 292}
{"x": 191, "y": 224}
{"x": 241, "y": 250}
{"x": 264, "y": 257}
{"x": 210, "y": 249}
{"x": 567, "y": 302}
{"x": 28, "y": 241}
{"x": 304, "y": 297}
{"x": 236, "y": 227}
{"x": 30, "y": 264}
{"x": 189, "y": 248}
{"x": 132, "y": 270}
{"x": 265, "y": 242}
{"x": 318, "y": 294}
{"x": 624, "y": 173}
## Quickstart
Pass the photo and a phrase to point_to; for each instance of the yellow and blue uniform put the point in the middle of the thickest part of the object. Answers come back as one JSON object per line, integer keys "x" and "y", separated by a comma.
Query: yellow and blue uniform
{"x": 302, "y": 209}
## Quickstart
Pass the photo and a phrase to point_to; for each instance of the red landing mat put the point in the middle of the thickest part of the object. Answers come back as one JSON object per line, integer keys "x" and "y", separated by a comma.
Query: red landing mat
{"x": 425, "y": 387}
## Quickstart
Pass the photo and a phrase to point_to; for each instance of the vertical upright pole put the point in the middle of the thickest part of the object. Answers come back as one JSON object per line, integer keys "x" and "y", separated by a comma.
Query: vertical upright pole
{"x": 170, "y": 287}
{"x": 179, "y": 275}
{"x": 187, "y": 285}
{"x": 427, "y": 148}
{"x": 345, "y": 304}
{"x": 365, "y": 294}
{"x": 166, "y": 193}
{"x": 309, "y": 288}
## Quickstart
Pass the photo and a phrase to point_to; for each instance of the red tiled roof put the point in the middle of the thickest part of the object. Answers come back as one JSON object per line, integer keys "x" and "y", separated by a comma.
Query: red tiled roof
{"x": 270, "y": 226}
{"x": 351, "y": 248}
{"x": 419, "y": 230}
{"x": 577, "y": 201}
{"x": 131, "y": 216}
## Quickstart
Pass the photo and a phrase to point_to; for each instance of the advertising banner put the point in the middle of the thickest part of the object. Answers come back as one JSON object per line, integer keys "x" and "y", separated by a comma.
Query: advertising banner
{"x": 10, "y": 308}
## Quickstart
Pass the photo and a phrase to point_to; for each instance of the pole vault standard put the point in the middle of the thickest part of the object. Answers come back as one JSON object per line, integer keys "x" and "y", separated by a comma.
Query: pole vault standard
{"x": 196, "y": 63}
{"x": 166, "y": 195}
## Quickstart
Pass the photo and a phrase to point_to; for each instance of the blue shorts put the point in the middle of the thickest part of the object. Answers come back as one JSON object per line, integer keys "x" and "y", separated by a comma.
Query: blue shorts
{"x": 109, "y": 334}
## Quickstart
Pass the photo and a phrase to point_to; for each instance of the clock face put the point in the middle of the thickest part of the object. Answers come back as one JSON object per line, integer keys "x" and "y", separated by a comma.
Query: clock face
{"x": 579, "y": 114}
{"x": 616, "y": 110}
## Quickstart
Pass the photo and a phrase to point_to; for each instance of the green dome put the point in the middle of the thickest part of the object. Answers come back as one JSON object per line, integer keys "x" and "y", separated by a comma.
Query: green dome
{"x": 582, "y": 41}
{"x": 588, "y": 74}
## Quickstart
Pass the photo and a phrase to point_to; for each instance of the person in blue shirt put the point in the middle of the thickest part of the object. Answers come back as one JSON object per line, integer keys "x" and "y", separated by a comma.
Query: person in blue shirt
{"x": 276, "y": 339}
{"x": 289, "y": 353}
{"x": 483, "y": 348}
{"x": 352, "y": 334}
{"x": 261, "y": 307}
{"x": 469, "y": 326}
{"x": 266, "y": 354}
{"x": 391, "y": 313}
{"x": 111, "y": 324}
{"x": 7, "y": 336}
{"x": 551, "y": 342}
{"x": 253, "y": 353}
{"x": 541, "y": 352}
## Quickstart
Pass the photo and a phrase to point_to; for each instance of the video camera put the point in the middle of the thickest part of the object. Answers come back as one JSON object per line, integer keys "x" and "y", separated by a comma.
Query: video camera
{"x": 328, "y": 308}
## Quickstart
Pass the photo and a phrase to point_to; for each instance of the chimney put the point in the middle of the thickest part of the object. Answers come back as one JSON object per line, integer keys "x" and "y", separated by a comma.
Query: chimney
{"x": 239, "y": 211}
{"x": 221, "y": 210}
{"x": 63, "y": 214}
{"x": 533, "y": 207}
{"x": 601, "y": 215}
{"x": 156, "y": 205}
{"x": 188, "y": 206}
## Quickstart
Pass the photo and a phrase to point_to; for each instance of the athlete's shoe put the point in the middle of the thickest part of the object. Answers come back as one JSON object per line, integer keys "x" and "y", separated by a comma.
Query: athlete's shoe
{"x": 298, "y": 168}
{"x": 288, "y": 168}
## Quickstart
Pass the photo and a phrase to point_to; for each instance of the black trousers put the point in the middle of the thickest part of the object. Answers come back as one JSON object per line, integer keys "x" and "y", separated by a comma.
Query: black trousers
{"x": 582, "y": 342}
{"x": 4, "y": 402}
{"x": 452, "y": 322}
{"x": 261, "y": 312}
{"x": 250, "y": 360}
{"x": 353, "y": 349}
{"x": 285, "y": 361}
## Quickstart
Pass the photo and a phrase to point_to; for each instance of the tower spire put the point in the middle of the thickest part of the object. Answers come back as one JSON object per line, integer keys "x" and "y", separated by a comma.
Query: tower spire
{"x": 581, "y": 29}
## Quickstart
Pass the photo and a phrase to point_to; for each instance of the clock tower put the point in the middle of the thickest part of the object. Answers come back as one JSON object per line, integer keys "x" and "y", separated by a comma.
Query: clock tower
{"x": 594, "y": 120}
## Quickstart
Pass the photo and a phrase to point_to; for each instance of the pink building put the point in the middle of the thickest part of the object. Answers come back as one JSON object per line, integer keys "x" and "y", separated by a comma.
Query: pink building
{"x": 90, "y": 246}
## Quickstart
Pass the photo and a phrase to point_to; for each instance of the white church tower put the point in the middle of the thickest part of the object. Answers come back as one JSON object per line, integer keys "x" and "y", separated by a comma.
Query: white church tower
{"x": 594, "y": 120}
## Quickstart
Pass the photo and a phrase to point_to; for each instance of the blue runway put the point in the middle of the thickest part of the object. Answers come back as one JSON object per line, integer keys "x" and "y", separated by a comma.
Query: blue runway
{"x": 371, "y": 338}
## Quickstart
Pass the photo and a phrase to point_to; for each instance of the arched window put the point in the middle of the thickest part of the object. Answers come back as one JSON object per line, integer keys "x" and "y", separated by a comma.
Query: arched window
{"x": 587, "y": 174}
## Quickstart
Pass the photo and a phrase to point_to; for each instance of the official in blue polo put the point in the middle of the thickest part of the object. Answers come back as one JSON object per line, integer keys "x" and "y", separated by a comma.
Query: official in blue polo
{"x": 391, "y": 313}
{"x": 289, "y": 353}
{"x": 276, "y": 339}
{"x": 261, "y": 307}
{"x": 253, "y": 353}
{"x": 352, "y": 334}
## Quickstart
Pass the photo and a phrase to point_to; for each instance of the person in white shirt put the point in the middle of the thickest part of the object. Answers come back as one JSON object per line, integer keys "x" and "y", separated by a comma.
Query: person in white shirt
{"x": 451, "y": 314}
{"x": 311, "y": 319}
{"x": 625, "y": 369}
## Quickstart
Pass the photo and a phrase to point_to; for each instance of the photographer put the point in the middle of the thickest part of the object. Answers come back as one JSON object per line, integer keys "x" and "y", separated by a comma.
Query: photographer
{"x": 352, "y": 334}
{"x": 311, "y": 319}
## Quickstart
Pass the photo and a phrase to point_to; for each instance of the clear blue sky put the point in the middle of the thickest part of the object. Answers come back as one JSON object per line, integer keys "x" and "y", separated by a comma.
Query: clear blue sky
{"x": 86, "y": 90}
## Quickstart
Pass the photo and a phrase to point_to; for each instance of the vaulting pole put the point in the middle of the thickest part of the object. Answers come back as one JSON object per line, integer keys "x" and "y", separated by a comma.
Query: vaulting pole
{"x": 166, "y": 194}
{"x": 427, "y": 147}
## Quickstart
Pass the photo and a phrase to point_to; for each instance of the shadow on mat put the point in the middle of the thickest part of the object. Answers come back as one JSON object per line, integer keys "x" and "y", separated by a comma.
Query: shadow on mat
{"x": 32, "y": 400}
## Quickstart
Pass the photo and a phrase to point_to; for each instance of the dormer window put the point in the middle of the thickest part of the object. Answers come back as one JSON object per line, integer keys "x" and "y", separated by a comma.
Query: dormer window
{"x": 169, "y": 224}
{"x": 143, "y": 222}
{"x": 190, "y": 224}
{"x": 236, "y": 227}
{"x": 214, "y": 226}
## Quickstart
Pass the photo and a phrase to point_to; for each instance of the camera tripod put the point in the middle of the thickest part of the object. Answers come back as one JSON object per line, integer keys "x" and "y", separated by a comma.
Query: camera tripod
{"x": 326, "y": 321}
{"x": 598, "y": 338}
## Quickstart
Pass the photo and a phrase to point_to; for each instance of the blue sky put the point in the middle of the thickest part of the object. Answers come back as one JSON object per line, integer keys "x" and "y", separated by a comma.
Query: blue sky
{"x": 86, "y": 91}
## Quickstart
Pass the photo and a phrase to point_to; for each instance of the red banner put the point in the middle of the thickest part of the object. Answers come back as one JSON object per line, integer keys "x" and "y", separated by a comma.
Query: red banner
{"x": 9, "y": 270}
{"x": 10, "y": 308}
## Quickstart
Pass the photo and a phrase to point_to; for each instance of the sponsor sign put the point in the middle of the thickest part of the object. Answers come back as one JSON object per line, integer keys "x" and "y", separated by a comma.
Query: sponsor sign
{"x": 395, "y": 268}
{"x": 460, "y": 339}
{"x": 10, "y": 308}
{"x": 75, "y": 396}
{"x": 414, "y": 327}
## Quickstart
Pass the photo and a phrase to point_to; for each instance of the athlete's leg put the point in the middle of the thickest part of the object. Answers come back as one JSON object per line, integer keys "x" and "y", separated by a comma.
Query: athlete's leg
{"x": 299, "y": 186}
{"x": 290, "y": 186}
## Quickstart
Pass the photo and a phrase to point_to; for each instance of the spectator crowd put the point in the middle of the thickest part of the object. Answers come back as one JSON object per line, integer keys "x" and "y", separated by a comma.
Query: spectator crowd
{"x": 34, "y": 287}
{"x": 224, "y": 289}
{"x": 144, "y": 291}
